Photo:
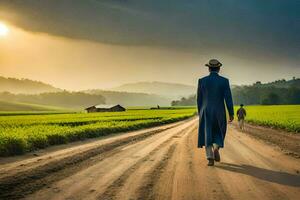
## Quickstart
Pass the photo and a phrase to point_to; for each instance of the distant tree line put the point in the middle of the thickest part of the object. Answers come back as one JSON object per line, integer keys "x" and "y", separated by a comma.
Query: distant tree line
{"x": 265, "y": 95}
{"x": 274, "y": 93}
{"x": 191, "y": 100}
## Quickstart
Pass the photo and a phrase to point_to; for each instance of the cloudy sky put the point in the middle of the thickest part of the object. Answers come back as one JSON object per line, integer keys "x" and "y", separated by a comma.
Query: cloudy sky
{"x": 77, "y": 44}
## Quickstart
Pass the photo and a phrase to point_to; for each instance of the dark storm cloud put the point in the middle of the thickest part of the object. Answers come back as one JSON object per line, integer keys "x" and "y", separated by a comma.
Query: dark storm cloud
{"x": 264, "y": 30}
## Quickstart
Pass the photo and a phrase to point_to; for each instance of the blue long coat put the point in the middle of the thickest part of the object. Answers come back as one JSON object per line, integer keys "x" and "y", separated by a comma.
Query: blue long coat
{"x": 212, "y": 91}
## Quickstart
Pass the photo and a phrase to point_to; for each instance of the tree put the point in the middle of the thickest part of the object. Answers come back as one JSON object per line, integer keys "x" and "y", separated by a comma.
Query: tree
{"x": 271, "y": 99}
{"x": 190, "y": 101}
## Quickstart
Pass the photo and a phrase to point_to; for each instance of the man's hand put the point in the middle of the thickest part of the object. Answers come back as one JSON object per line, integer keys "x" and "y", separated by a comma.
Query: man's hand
{"x": 231, "y": 117}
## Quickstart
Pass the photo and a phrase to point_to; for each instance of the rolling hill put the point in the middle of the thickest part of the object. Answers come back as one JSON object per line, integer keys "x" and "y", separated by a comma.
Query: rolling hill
{"x": 65, "y": 99}
{"x": 32, "y": 93}
{"x": 17, "y": 106}
{"x": 131, "y": 98}
{"x": 158, "y": 88}
{"x": 25, "y": 86}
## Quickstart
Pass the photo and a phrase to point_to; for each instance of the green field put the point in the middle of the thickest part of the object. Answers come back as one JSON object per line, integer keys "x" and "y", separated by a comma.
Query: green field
{"x": 280, "y": 116}
{"x": 23, "y": 133}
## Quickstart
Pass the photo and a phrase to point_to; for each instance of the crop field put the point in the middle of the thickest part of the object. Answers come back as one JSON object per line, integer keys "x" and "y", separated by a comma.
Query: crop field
{"x": 280, "y": 116}
{"x": 23, "y": 133}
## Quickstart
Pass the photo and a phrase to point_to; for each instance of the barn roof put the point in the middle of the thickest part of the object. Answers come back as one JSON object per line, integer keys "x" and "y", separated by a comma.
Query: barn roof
{"x": 107, "y": 106}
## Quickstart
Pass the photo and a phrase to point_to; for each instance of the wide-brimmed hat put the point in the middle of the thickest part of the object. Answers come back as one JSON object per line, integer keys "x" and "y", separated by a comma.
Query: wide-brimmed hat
{"x": 213, "y": 63}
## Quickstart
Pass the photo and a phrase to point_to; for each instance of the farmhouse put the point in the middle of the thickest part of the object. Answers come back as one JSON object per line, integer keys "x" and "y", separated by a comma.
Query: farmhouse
{"x": 105, "y": 108}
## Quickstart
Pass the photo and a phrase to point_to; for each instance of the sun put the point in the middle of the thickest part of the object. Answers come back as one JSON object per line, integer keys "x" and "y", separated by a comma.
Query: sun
{"x": 4, "y": 30}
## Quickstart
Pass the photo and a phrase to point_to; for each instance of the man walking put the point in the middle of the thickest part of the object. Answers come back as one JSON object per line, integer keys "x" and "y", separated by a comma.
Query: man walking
{"x": 212, "y": 91}
{"x": 241, "y": 114}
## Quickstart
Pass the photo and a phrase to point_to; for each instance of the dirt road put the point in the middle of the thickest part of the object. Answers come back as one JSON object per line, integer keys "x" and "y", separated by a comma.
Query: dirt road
{"x": 158, "y": 163}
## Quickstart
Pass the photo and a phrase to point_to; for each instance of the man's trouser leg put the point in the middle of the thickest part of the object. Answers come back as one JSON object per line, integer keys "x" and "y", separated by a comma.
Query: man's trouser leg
{"x": 216, "y": 146}
{"x": 243, "y": 124}
{"x": 240, "y": 123}
{"x": 209, "y": 152}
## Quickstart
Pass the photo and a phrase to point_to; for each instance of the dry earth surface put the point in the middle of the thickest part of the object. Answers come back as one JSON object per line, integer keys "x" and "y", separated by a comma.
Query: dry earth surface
{"x": 157, "y": 163}
{"x": 288, "y": 142}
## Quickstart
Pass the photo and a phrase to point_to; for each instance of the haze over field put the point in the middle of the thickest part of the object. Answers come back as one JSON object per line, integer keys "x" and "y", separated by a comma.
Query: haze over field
{"x": 160, "y": 88}
{"x": 102, "y": 99}
{"x": 91, "y": 44}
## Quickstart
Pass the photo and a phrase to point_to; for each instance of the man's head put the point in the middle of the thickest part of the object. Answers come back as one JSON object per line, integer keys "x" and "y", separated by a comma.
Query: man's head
{"x": 214, "y": 65}
{"x": 242, "y": 105}
{"x": 214, "y": 69}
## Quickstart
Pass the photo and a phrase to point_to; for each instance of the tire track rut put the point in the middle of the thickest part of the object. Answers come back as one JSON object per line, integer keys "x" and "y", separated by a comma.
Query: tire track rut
{"x": 157, "y": 159}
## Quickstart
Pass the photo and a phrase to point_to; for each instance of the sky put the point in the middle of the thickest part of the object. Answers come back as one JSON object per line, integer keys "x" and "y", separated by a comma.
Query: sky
{"x": 104, "y": 43}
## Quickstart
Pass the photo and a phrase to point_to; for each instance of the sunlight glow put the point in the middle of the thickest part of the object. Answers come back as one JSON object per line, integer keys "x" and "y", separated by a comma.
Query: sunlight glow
{"x": 4, "y": 30}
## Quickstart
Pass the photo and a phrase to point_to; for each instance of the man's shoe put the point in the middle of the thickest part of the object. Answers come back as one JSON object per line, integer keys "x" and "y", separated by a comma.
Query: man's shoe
{"x": 217, "y": 155}
{"x": 210, "y": 162}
